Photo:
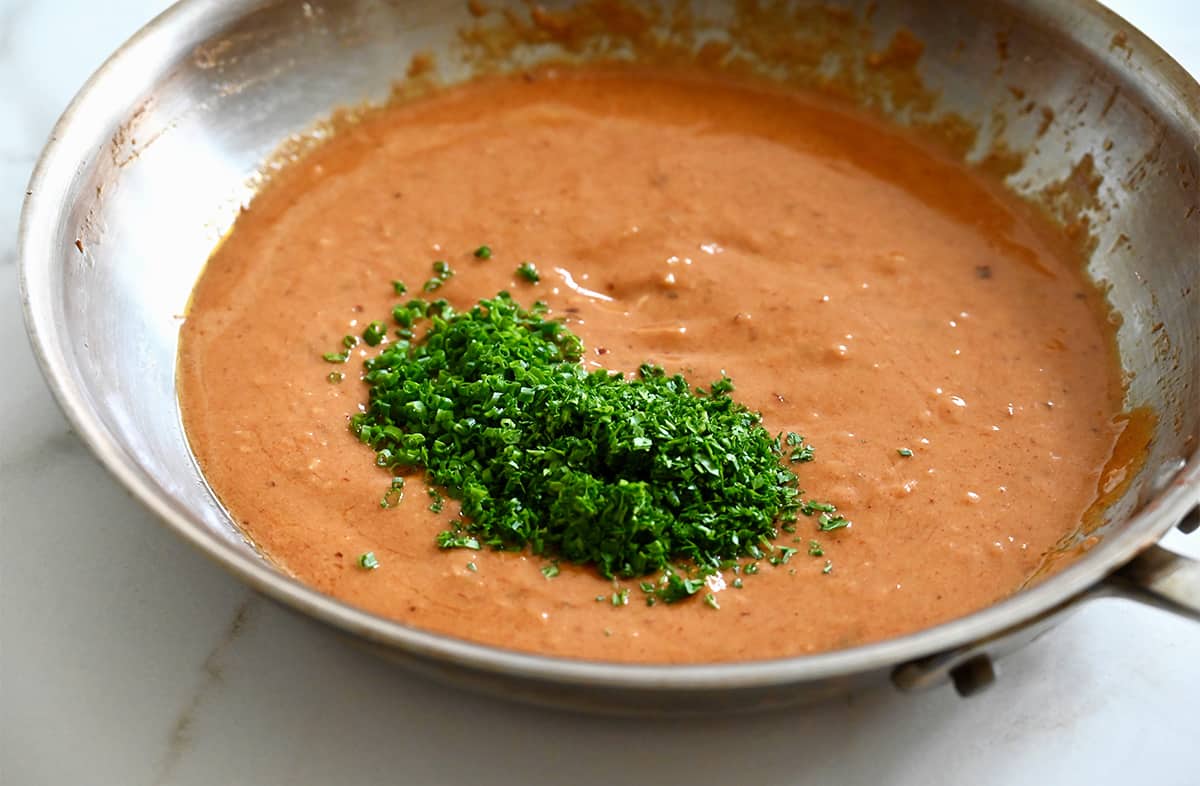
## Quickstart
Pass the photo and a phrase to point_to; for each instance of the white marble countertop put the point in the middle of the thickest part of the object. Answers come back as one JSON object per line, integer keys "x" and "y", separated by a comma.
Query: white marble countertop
{"x": 126, "y": 658}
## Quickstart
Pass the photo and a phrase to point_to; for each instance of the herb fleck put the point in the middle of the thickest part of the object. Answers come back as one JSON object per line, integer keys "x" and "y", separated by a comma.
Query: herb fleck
{"x": 905, "y": 452}
{"x": 550, "y": 570}
{"x": 528, "y": 271}
{"x": 394, "y": 494}
{"x": 829, "y": 522}
{"x": 828, "y": 567}
{"x": 810, "y": 507}
{"x": 815, "y": 550}
{"x": 801, "y": 452}
{"x": 368, "y": 561}
{"x": 441, "y": 274}
{"x": 452, "y": 540}
{"x": 784, "y": 554}
{"x": 710, "y": 600}
{"x": 483, "y": 252}
{"x": 375, "y": 333}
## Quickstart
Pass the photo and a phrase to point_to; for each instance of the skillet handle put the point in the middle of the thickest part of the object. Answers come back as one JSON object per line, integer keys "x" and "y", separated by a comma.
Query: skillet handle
{"x": 1157, "y": 577}
{"x": 1160, "y": 578}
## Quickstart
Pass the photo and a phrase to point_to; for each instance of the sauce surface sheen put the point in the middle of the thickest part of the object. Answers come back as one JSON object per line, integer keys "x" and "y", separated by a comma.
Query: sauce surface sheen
{"x": 859, "y": 287}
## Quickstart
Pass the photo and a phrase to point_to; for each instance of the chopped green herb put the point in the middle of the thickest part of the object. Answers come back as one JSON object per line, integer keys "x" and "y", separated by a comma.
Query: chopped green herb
{"x": 750, "y": 569}
{"x": 675, "y": 588}
{"x": 529, "y": 272}
{"x": 550, "y": 570}
{"x": 375, "y": 333}
{"x": 650, "y": 601}
{"x": 399, "y": 287}
{"x": 483, "y": 252}
{"x": 368, "y": 561}
{"x": 737, "y": 583}
{"x": 710, "y": 600}
{"x": 620, "y": 598}
{"x": 646, "y": 586}
{"x": 334, "y": 377}
{"x": 471, "y": 566}
{"x": 809, "y": 508}
{"x": 784, "y": 554}
{"x": 453, "y": 540}
{"x": 601, "y": 598}
{"x": 634, "y": 477}
{"x": 829, "y": 522}
{"x": 438, "y": 502}
{"x": 905, "y": 452}
{"x": 722, "y": 387}
{"x": 801, "y": 452}
{"x": 336, "y": 357}
{"x": 441, "y": 274}
{"x": 815, "y": 550}
{"x": 394, "y": 494}
{"x": 828, "y": 567}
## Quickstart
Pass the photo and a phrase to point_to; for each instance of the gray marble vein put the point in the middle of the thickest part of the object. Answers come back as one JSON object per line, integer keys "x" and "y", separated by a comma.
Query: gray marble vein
{"x": 211, "y": 678}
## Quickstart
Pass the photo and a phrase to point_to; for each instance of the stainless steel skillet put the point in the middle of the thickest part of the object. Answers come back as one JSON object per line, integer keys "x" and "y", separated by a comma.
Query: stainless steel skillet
{"x": 151, "y": 162}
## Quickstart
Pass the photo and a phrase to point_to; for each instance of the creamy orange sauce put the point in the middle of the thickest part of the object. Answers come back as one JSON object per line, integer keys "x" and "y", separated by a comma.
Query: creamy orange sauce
{"x": 859, "y": 287}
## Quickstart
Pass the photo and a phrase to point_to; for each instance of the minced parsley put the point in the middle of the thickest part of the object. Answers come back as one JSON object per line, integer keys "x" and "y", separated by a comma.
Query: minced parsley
{"x": 632, "y": 476}
{"x": 828, "y": 522}
{"x": 483, "y": 252}
{"x": 368, "y": 561}
{"x": 394, "y": 494}
{"x": 904, "y": 452}
{"x": 374, "y": 334}
{"x": 441, "y": 274}
{"x": 801, "y": 452}
{"x": 528, "y": 271}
